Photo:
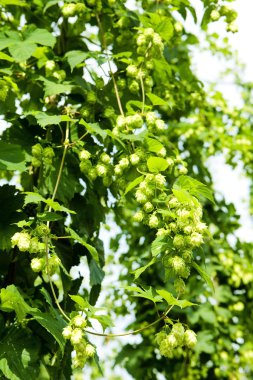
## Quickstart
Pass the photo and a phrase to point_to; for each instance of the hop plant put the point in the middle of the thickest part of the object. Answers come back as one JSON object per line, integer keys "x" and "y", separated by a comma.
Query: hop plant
{"x": 76, "y": 336}
{"x": 37, "y": 264}
{"x": 22, "y": 240}
{"x": 190, "y": 338}
{"x": 79, "y": 321}
{"x": 67, "y": 332}
{"x": 134, "y": 159}
{"x": 90, "y": 350}
{"x": 84, "y": 155}
{"x": 138, "y": 216}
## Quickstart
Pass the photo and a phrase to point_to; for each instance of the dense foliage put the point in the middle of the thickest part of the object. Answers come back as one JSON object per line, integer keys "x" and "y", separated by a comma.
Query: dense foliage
{"x": 108, "y": 127}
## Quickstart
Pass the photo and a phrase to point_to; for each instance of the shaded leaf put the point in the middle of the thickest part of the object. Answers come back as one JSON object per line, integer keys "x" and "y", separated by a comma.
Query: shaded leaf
{"x": 75, "y": 57}
{"x": 96, "y": 273}
{"x": 11, "y": 300}
{"x": 204, "y": 275}
{"x": 12, "y": 157}
{"x": 92, "y": 250}
{"x": 54, "y": 325}
{"x": 139, "y": 271}
{"x": 19, "y": 358}
{"x": 94, "y": 128}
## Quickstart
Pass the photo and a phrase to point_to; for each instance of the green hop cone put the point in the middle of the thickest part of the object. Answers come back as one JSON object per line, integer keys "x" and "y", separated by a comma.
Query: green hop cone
{"x": 190, "y": 338}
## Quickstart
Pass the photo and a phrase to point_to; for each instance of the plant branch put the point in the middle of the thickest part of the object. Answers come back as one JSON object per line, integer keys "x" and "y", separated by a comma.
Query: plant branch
{"x": 134, "y": 331}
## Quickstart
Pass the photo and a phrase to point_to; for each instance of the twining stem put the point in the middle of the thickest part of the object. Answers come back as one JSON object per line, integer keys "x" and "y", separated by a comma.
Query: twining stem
{"x": 134, "y": 331}
{"x": 51, "y": 283}
{"x": 143, "y": 94}
{"x": 104, "y": 46}
{"x": 66, "y": 144}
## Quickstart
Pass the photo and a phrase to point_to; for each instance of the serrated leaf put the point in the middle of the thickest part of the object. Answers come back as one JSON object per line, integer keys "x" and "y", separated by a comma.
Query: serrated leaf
{"x": 204, "y": 275}
{"x": 157, "y": 164}
{"x": 80, "y": 240}
{"x": 49, "y": 216}
{"x": 139, "y": 271}
{"x": 133, "y": 184}
{"x": 104, "y": 320}
{"x": 96, "y": 273}
{"x": 80, "y": 301}
{"x": 19, "y": 352}
{"x": 75, "y": 57}
{"x": 53, "y": 88}
{"x": 11, "y": 300}
{"x": 184, "y": 197}
{"x": 54, "y": 325}
{"x": 44, "y": 119}
{"x": 22, "y": 50}
{"x": 20, "y": 3}
{"x": 194, "y": 187}
{"x": 160, "y": 244}
{"x": 156, "y": 100}
{"x": 148, "y": 294}
{"x": 12, "y": 157}
{"x": 94, "y": 128}
{"x": 6, "y": 57}
{"x": 41, "y": 37}
{"x": 32, "y": 197}
{"x": 172, "y": 301}
{"x": 50, "y": 4}
{"x": 165, "y": 29}
{"x": 132, "y": 137}
{"x": 154, "y": 145}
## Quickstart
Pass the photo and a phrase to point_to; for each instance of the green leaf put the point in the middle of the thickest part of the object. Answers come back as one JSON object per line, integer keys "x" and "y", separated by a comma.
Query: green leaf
{"x": 32, "y": 197}
{"x": 43, "y": 119}
{"x": 11, "y": 300}
{"x": 50, "y": 4}
{"x": 172, "y": 301}
{"x": 165, "y": 28}
{"x": 204, "y": 275}
{"x": 157, "y": 164}
{"x": 80, "y": 240}
{"x": 49, "y": 216}
{"x": 54, "y": 325}
{"x": 104, "y": 320}
{"x": 75, "y": 57}
{"x": 80, "y": 301}
{"x": 12, "y": 157}
{"x": 53, "y": 88}
{"x": 19, "y": 354}
{"x": 6, "y": 57}
{"x": 20, "y": 3}
{"x": 205, "y": 342}
{"x": 156, "y": 100}
{"x": 139, "y": 271}
{"x": 138, "y": 137}
{"x": 23, "y": 50}
{"x": 94, "y": 128}
{"x": 154, "y": 145}
{"x": 42, "y": 37}
{"x": 96, "y": 273}
{"x": 160, "y": 244}
{"x": 194, "y": 187}
{"x": 10, "y": 201}
{"x": 148, "y": 294}
{"x": 133, "y": 184}
{"x": 184, "y": 197}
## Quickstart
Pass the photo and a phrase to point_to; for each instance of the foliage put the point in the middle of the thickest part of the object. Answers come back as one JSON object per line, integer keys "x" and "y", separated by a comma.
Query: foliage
{"x": 106, "y": 120}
